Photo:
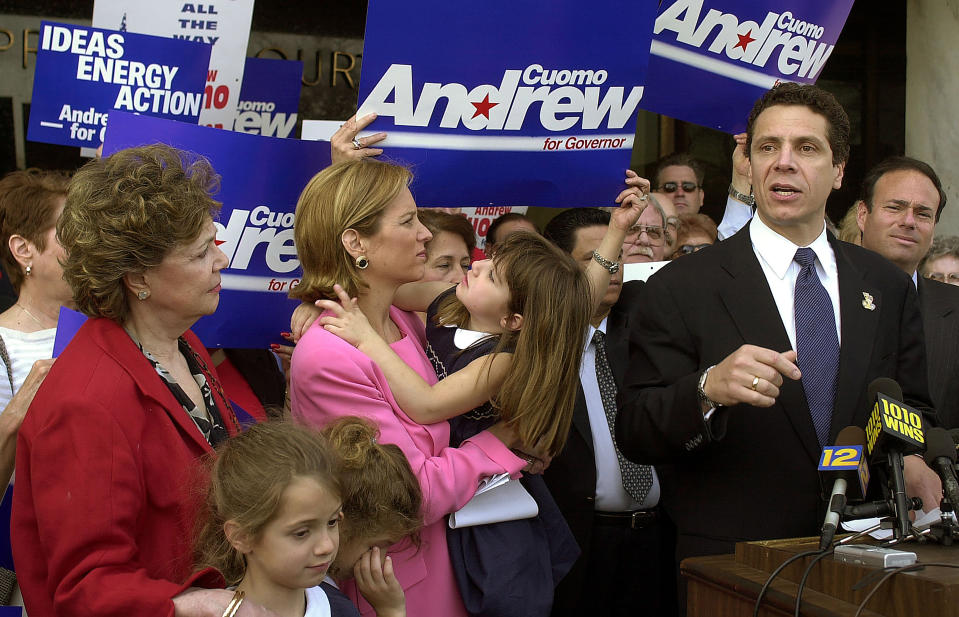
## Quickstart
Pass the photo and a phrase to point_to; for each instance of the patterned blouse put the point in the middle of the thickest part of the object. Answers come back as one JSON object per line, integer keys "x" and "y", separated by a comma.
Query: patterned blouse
{"x": 207, "y": 418}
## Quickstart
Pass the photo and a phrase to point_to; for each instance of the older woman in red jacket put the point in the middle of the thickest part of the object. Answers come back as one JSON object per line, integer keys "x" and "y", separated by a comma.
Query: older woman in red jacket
{"x": 103, "y": 508}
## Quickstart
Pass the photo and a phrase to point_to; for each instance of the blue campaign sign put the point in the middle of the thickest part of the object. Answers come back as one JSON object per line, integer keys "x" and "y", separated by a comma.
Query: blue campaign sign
{"x": 508, "y": 103}
{"x": 84, "y": 73}
{"x": 711, "y": 59}
{"x": 261, "y": 180}
{"x": 269, "y": 97}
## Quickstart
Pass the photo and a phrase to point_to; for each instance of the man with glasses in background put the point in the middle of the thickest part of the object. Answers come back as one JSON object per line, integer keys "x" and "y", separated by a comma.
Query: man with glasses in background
{"x": 648, "y": 240}
{"x": 900, "y": 203}
{"x": 681, "y": 177}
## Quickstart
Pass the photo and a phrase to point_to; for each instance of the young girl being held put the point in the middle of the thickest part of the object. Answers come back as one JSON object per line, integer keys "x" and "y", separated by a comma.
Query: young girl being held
{"x": 272, "y": 520}
{"x": 506, "y": 343}
{"x": 382, "y": 505}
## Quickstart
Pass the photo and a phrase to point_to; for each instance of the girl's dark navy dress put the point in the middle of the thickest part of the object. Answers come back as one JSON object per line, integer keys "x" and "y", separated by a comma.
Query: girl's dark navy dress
{"x": 511, "y": 568}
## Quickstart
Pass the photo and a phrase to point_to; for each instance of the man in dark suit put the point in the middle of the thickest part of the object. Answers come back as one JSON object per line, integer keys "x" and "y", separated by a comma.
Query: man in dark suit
{"x": 626, "y": 566}
{"x": 752, "y": 354}
{"x": 900, "y": 203}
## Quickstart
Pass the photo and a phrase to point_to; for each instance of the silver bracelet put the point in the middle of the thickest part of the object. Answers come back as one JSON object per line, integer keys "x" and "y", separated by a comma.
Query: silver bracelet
{"x": 749, "y": 200}
{"x": 611, "y": 266}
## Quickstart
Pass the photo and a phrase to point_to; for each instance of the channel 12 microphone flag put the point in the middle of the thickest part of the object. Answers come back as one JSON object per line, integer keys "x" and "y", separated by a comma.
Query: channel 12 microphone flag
{"x": 85, "y": 73}
{"x": 261, "y": 180}
{"x": 507, "y": 103}
{"x": 711, "y": 59}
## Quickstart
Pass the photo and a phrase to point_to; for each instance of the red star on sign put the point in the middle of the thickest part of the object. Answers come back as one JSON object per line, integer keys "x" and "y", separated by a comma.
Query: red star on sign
{"x": 744, "y": 39}
{"x": 483, "y": 107}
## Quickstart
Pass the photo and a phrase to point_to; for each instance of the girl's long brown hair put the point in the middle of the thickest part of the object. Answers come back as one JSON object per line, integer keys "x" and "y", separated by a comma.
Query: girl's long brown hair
{"x": 552, "y": 294}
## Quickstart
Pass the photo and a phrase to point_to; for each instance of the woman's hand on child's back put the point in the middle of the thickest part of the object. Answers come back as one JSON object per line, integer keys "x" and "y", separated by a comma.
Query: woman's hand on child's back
{"x": 346, "y": 320}
{"x": 375, "y": 580}
{"x": 632, "y": 201}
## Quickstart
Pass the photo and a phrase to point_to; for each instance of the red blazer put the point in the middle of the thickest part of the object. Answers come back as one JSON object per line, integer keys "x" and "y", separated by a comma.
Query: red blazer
{"x": 107, "y": 484}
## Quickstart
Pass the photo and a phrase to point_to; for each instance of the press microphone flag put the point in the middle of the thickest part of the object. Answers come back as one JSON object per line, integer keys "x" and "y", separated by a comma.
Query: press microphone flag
{"x": 844, "y": 464}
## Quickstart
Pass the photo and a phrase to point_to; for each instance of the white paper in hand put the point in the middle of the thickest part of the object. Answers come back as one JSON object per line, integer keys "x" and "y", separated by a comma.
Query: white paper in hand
{"x": 497, "y": 499}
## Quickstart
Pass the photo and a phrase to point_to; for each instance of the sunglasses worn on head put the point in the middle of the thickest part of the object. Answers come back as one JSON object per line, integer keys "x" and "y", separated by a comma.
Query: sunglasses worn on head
{"x": 670, "y": 187}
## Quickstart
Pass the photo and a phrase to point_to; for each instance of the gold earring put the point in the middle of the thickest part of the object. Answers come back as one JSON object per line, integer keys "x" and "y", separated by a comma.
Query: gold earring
{"x": 362, "y": 262}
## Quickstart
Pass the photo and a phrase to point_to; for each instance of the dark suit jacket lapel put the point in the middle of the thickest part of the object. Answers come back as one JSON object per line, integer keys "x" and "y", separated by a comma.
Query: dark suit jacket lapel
{"x": 859, "y": 333}
{"x": 751, "y": 305}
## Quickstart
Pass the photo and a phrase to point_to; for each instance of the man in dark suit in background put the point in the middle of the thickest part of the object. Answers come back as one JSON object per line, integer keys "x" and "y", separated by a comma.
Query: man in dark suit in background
{"x": 626, "y": 566}
{"x": 900, "y": 203}
{"x": 752, "y": 354}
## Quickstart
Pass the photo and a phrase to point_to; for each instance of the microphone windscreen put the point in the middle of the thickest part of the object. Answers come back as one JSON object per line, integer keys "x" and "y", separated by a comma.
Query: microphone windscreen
{"x": 939, "y": 443}
{"x": 851, "y": 436}
{"x": 886, "y": 386}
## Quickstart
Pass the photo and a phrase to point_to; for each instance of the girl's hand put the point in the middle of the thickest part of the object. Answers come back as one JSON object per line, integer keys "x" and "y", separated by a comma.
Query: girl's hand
{"x": 632, "y": 201}
{"x": 347, "y": 321}
{"x": 377, "y": 583}
{"x": 346, "y": 138}
{"x": 303, "y": 317}
{"x": 534, "y": 464}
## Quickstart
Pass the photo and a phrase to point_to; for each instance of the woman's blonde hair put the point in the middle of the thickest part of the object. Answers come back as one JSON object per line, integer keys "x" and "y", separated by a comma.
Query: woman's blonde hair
{"x": 248, "y": 476}
{"x": 349, "y": 195}
{"x": 381, "y": 495}
{"x": 552, "y": 294}
{"x": 124, "y": 213}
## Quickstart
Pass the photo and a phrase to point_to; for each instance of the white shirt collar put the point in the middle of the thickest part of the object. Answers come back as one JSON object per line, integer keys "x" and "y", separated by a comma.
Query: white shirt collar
{"x": 778, "y": 251}
{"x": 463, "y": 338}
{"x": 915, "y": 279}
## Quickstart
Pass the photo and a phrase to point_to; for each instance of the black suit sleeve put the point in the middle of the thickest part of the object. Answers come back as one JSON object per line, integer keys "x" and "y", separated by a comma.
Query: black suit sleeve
{"x": 659, "y": 412}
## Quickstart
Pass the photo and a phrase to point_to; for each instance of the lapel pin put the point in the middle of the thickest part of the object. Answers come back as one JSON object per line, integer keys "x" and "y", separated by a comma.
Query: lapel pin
{"x": 867, "y": 302}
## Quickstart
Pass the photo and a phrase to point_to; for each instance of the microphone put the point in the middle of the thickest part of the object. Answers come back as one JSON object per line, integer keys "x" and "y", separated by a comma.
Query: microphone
{"x": 878, "y": 509}
{"x": 941, "y": 456}
{"x": 846, "y": 465}
{"x": 894, "y": 429}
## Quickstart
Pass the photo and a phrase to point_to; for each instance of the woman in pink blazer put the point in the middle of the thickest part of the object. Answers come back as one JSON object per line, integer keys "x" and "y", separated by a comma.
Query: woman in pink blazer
{"x": 356, "y": 226}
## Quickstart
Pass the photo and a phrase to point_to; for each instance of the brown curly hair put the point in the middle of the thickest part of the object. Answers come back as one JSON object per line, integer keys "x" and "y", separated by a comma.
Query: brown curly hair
{"x": 381, "y": 495}
{"x": 28, "y": 207}
{"x": 124, "y": 214}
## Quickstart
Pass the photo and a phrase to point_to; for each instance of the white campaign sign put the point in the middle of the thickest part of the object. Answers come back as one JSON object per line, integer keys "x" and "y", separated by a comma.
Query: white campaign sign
{"x": 225, "y": 24}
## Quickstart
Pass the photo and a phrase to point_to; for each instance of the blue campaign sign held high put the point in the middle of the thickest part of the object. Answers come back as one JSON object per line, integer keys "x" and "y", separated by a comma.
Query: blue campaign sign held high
{"x": 508, "y": 103}
{"x": 84, "y": 73}
{"x": 261, "y": 180}
{"x": 711, "y": 59}
{"x": 270, "y": 97}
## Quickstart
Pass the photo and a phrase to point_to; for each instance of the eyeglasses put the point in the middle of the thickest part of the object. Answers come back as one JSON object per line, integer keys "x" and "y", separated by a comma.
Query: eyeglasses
{"x": 949, "y": 277}
{"x": 654, "y": 233}
{"x": 670, "y": 187}
{"x": 686, "y": 249}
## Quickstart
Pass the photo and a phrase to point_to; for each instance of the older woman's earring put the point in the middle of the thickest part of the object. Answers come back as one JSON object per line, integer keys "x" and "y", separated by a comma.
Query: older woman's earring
{"x": 29, "y": 270}
{"x": 362, "y": 262}
{"x": 143, "y": 294}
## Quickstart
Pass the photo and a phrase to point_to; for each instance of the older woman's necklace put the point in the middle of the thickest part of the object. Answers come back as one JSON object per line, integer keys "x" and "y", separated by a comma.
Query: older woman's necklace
{"x": 32, "y": 316}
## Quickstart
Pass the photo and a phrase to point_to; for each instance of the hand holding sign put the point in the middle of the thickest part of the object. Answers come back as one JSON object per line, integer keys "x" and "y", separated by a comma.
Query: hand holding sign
{"x": 346, "y": 144}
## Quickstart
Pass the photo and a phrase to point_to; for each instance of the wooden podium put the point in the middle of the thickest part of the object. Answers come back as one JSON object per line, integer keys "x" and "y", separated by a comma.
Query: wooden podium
{"x": 727, "y": 585}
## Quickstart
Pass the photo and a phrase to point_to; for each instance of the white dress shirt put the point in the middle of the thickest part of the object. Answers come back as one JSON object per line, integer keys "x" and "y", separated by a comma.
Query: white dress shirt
{"x": 611, "y": 496}
{"x": 775, "y": 254}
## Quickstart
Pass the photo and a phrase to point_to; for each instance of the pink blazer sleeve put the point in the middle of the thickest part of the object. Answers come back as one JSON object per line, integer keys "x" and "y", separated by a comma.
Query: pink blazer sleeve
{"x": 331, "y": 379}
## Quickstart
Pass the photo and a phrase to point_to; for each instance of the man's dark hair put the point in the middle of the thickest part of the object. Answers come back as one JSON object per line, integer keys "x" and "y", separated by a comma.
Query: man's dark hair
{"x": 561, "y": 230}
{"x": 899, "y": 163}
{"x": 491, "y": 238}
{"x": 680, "y": 159}
{"x": 818, "y": 101}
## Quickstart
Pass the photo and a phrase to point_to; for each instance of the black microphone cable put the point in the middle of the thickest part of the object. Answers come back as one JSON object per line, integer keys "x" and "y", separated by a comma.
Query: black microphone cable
{"x": 774, "y": 574}
{"x": 805, "y": 576}
{"x": 891, "y": 573}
